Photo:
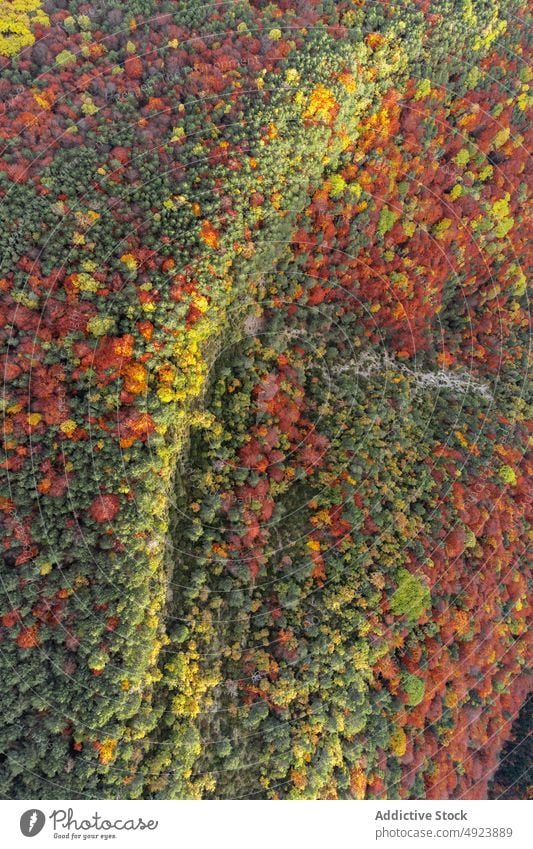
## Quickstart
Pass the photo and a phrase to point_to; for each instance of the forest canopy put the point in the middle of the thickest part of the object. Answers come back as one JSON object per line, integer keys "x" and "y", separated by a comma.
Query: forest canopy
{"x": 264, "y": 346}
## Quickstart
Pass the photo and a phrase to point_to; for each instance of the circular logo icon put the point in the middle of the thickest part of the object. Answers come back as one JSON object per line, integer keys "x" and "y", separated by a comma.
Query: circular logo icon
{"x": 32, "y": 822}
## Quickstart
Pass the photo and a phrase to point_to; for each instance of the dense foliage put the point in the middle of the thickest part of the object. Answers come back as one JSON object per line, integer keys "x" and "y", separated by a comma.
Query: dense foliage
{"x": 264, "y": 339}
{"x": 513, "y": 779}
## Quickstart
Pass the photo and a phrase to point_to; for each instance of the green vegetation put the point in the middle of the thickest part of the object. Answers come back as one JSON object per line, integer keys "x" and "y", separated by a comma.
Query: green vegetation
{"x": 412, "y": 598}
{"x": 264, "y": 330}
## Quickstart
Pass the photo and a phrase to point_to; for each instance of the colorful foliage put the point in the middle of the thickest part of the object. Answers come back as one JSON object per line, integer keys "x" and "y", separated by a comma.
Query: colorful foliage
{"x": 264, "y": 329}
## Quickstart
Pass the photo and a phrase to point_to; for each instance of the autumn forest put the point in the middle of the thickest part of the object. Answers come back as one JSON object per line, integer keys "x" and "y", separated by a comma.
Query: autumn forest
{"x": 264, "y": 332}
